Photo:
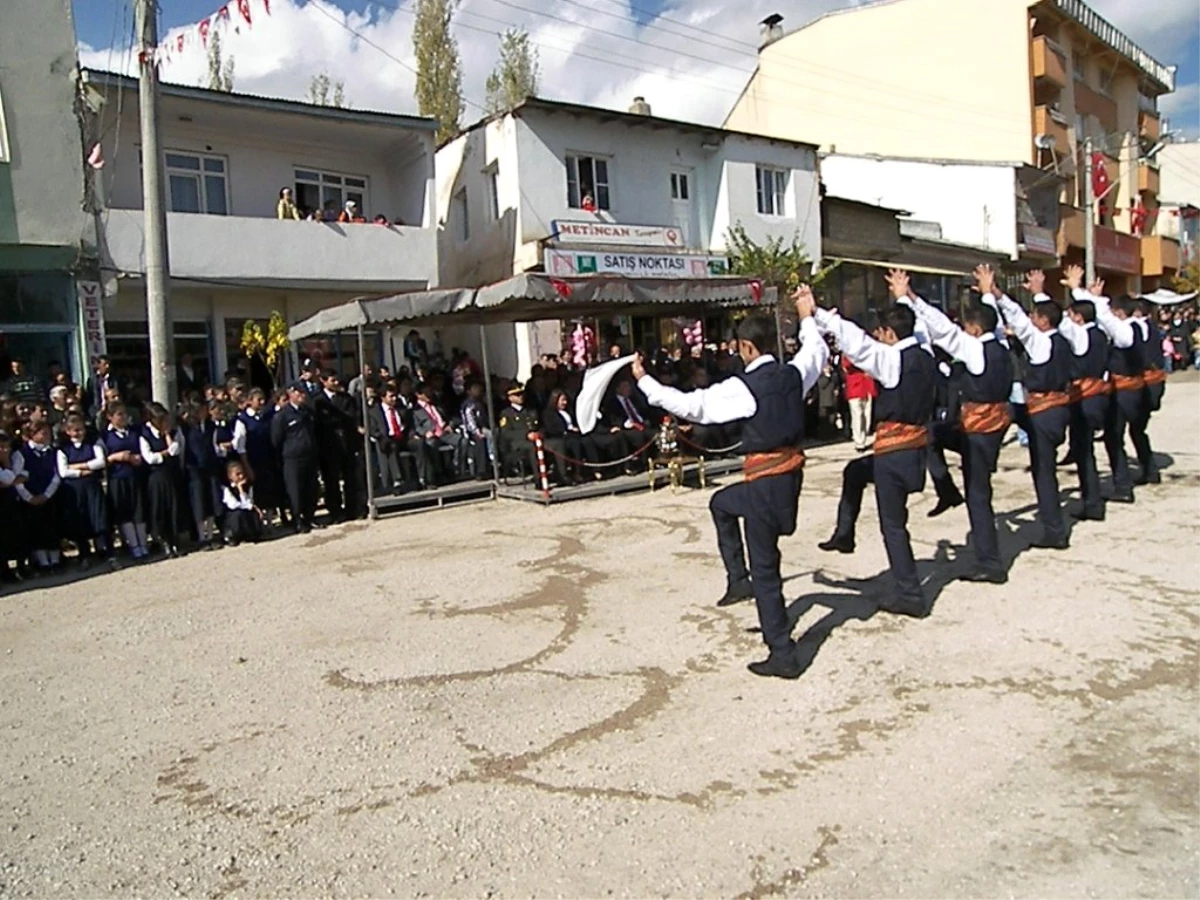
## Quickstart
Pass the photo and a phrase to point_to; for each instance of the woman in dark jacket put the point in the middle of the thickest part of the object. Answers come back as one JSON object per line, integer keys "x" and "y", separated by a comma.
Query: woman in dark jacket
{"x": 563, "y": 438}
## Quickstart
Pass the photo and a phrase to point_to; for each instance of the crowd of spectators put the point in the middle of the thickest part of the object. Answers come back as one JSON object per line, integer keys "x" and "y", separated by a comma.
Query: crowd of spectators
{"x": 348, "y": 214}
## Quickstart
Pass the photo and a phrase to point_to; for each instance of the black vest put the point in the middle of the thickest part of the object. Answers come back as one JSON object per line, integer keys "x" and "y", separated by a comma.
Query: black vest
{"x": 778, "y": 391}
{"x": 910, "y": 402}
{"x": 1055, "y": 373}
{"x": 1152, "y": 353}
{"x": 1094, "y": 363}
{"x": 995, "y": 384}
{"x": 1128, "y": 360}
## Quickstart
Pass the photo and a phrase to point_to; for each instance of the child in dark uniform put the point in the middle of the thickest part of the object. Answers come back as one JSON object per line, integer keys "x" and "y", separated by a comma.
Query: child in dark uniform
{"x": 200, "y": 463}
{"x": 162, "y": 448}
{"x": 243, "y": 521}
{"x": 126, "y": 482}
{"x": 84, "y": 509}
{"x": 38, "y": 493}
{"x": 11, "y": 534}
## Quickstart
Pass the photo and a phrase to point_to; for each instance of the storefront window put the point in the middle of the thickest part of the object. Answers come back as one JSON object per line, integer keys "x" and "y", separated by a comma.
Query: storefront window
{"x": 129, "y": 351}
{"x": 37, "y": 299}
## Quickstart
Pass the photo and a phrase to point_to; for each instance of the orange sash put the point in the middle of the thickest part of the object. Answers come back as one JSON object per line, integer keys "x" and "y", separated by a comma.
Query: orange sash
{"x": 985, "y": 418}
{"x": 1040, "y": 401}
{"x": 1083, "y": 388}
{"x": 1128, "y": 382}
{"x": 893, "y": 436}
{"x": 775, "y": 462}
{"x": 1154, "y": 376}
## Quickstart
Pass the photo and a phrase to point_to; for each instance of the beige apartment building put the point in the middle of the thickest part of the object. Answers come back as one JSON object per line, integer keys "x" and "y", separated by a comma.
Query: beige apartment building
{"x": 996, "y": 80}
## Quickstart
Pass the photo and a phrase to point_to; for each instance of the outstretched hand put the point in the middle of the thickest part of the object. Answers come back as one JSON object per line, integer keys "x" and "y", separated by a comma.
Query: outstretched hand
{"x": 806, "y": 303}
{"x": 1096, "y": 288}
{"x": 985, "y": 279}
{"x": 899, "y": 283}
{"x": 1035, "y": 282}
{"x": 639, "y": 368}
{"x": 1073, "y": 277}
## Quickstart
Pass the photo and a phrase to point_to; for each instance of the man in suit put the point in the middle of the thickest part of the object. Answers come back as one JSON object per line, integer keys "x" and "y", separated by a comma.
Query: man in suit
{"x": 293, "y": 435}
{"x": 630, "y": 420}
{"x": 390, "y": 427}
{"x": 187, "y": 381}
{"x": 101, "y": 381}
{"x": 433, "y": 427}
{"x": 337, "y": 433}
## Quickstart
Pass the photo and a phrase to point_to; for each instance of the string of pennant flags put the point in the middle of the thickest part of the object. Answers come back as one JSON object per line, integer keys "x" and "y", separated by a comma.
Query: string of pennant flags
{"x": 234, "y": 15}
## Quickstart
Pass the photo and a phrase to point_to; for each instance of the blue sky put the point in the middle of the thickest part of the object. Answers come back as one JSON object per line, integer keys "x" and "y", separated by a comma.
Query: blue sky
{"x": 302, "y": 43}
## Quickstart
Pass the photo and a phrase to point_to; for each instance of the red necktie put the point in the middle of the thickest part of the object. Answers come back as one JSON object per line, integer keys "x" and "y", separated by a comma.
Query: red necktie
{"x": 394, "y": 421}
{"x": 437, "y": 419}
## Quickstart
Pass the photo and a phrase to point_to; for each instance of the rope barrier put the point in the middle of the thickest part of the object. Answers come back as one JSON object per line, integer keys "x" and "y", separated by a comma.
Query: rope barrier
{"x": 715, "y": 451}
{"x": 543, "y": 476}
{"x": 604, "y": 465}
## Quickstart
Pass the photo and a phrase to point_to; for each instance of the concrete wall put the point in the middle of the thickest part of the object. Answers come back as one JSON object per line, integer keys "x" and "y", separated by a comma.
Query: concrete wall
{"x": 974, "y": 204}
{"x": 1180, "y": 184}
{"x": 41, "y": 182}
{"x": 934, "y": 78}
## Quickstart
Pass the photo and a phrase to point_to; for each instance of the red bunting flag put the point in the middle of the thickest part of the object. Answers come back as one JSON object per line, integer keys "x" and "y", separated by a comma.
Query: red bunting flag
{"x": 179, "y": 43}
{"x": 561, "y": 288}
{"x": 244, "y": 9}
{"x": 1100, "y": 180}
{"x": 223, "y": 15}
{"x": 267, "y": 7}
{"x": 756, "y": 291}
{"x": 203, "y": 27}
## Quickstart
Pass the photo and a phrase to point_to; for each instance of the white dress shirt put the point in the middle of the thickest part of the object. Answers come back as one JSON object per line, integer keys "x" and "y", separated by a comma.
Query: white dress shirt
{"x": 730, "y": 400}
{"x": 1036, "y": 342}
{"x": 879, "y": 360}
{"x": 233, "y": 500}
{"x": 157, "y": 459}
{"x": 1119, "y": 331}
{"x": 951, "y": 338}
{"x": 18, "y": 469}
{"x": 95, "y": 464}
{"x": 1076, "y": 335}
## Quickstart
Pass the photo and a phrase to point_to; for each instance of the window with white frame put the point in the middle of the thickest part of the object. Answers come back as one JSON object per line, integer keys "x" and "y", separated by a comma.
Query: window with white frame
{"x": 461, "y": 215}
{"x": 587, "y": 176}
{"x": 679, "y": 186}
{"x": 197, "y": 183}
{"x": 772, "y": 190}
{"x": 492, "y": 182}
{"x": 329, "y": 191}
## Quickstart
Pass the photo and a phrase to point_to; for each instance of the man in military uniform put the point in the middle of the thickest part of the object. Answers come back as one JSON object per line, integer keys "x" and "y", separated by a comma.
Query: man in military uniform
{"x": 517, "y": 424}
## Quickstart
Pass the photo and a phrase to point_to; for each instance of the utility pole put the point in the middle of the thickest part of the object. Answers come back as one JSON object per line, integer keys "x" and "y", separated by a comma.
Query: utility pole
{"x": 1089, "y": 215}
{"x": 158, "y": 317}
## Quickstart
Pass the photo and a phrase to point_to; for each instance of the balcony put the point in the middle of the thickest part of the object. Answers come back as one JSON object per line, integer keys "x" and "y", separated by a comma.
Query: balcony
{"x": 1149, "y": 126}
{"x": 1044, "y": 122}
{"x": 1070, "y": 229}
{"x": 1160, "y": 255}
{"x": 280, "y": 254}
{"x": 1148, "y": 179}
{"x": 1092, "y": 103}
{"x": 1049, "y": 63}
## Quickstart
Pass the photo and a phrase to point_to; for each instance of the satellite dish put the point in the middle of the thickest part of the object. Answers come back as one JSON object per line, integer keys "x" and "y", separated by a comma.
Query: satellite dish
{"x": 1044, "y": 141}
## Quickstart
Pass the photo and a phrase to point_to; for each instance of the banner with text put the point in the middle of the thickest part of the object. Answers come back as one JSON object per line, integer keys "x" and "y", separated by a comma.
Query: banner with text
{"x": 634, "y": 265}
{"x": 91, "y": 307}
{"x": 572, "y": 232}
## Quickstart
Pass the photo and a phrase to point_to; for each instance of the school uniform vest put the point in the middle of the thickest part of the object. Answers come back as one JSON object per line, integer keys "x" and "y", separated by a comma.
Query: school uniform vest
{"x": 40, "y": 466}
{"x": 258, "y": 437}
{"x": 1093, "y": 363}
{"x": 117, "y": 443}
{"x": 911, "y": 402}
{"x": 994, "y": 384}
{"x": 1152, "y": 353}
{"x": 84, "y": 453}
{"x": 778, "y": 422}
{"x": 1128, "y": 361}
{"x": 1055, "y": 374}
{"x": 158, "y": 444}
{"x": 198, "y": 451}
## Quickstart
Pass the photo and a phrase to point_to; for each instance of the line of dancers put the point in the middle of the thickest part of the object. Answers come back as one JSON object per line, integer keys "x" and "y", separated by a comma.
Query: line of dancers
{"x": 1061, "y": 375}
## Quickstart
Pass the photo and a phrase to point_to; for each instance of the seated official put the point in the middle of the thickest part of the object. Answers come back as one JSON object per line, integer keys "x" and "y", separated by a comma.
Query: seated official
{"x": 390, "y": 428}
{"x": 433, "y": 427}
{"x": 629, "y": 420}
{"x": 517, "y": 426}
{"x": 562, "y": 437}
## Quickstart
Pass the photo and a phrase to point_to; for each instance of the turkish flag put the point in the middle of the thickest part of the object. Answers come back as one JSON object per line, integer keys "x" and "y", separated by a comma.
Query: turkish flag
{"x": 561, "y": 288}
{"x": 1100, "y": 180}
{"x": 203, "y": 27}
{"x": 1137, "y": 217}
{"x": 244, "y": 9}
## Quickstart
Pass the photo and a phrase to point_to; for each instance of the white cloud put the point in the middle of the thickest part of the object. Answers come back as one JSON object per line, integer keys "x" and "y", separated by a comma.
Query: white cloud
{"x": 591, "y": 51}
{"x": 1180, "y": 107}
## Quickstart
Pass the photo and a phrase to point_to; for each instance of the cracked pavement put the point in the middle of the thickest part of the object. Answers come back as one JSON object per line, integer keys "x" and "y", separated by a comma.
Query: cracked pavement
{"x": 505, "y": 701}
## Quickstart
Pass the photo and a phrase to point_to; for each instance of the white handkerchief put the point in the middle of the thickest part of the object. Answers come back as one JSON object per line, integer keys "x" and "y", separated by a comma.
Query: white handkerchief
{"x": 595, "y": 383}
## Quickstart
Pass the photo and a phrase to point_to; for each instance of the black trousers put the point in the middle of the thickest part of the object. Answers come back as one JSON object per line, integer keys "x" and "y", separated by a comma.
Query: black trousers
{"x": 1151, "y": 401}
{"x": 334, "y": 470}
{"x": 980, "y": 453}
{"x": 895, "y": 476}
{"x": 1124, "y": 407}
{"x": 300, "y": 483}
{"x": 940, "y": 435}
{"x": 1087, "y": 417}
{"x": 204, "y": 495}
{"x": 769, "y": 507}
{"x": 1047, "y": 430}
{"x": 242, "y": 525}
{"x": 576, "y": 448}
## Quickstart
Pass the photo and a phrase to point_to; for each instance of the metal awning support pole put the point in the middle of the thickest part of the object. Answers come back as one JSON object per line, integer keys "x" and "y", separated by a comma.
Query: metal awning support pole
{"x": 368, "y": 466}
{"x": 487, "y": 384}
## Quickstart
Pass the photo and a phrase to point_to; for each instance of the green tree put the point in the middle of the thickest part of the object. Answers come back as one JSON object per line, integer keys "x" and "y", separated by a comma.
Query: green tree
{"x": 324, "y": 92}
{"x": 516, "y": 74}
{"x": 439, "y": 67}
{"x": 220, "y": 71}
{"x": 1188, "y": 279}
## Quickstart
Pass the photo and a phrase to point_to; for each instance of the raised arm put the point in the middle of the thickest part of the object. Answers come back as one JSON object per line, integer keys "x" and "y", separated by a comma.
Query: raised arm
{"x": 1120, "y": 331}
{"x": 726, "y": 401}
{"x": 1076, "y": 334}
{"x": 1036, "y": 342}
{"x": 880, "y": 361}
{"x": 814, "y": 352}
{"x": 942, "y": 331}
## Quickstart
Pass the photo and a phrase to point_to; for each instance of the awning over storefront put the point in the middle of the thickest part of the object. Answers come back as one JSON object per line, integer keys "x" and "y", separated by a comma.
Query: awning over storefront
{"x": 534, "y": 296}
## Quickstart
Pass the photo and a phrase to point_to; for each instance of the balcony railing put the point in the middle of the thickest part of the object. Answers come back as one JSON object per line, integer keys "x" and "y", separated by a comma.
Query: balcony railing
{"x": 270, "y": 252}
{"x": 1049, "y": 63}
{"x": 1114, "y": 38}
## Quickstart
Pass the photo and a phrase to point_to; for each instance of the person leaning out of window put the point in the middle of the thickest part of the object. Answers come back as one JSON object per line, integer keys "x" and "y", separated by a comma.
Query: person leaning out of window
{"x": 286, "y": 209}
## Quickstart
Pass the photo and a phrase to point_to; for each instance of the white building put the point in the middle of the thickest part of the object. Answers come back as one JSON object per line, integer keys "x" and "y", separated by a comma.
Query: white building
{"x": 227, "y": 158}
{"x": 1007, "y": 208}
{"x": 512, "y": 188}
{"x": 1177, "y": 217}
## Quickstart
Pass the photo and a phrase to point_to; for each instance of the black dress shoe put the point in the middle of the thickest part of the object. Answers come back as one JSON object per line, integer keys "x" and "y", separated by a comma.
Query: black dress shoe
{"x": 1152, "y": 478}
{"x": 1090, "y": 515}
{"x": 981, "y": 575}
{"x": 736, "y": 593}
{"x": 944, "y": 505}
{"x": 837, "y": 544}
{"x": 1049, "y": 543}
{"x": 1121, "y": 497}
{"x": 901, "y": 607}
{"x": 778, "y": 665}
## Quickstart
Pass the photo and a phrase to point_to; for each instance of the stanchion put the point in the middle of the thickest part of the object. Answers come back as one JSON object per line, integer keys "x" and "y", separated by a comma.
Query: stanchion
{"x": 543, "y": 477}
